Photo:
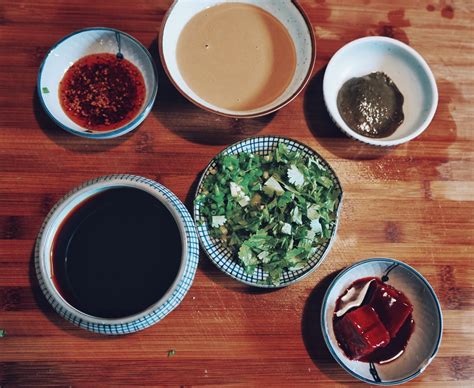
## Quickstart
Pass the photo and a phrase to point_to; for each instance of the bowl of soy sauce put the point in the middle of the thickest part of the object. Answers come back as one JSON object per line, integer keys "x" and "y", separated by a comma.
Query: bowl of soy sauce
{"x": 117, "y": 254}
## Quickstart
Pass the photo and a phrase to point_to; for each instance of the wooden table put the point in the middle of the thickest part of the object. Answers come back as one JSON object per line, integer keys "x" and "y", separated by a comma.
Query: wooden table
{"x": 412, "y": 202}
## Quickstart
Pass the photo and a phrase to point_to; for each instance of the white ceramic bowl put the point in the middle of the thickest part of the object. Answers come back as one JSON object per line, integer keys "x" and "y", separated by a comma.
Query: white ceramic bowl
{"x": 425, "y": 339}
{"x": 85, "y": 42}
{"x": 403, "y": 65}
{"x": 162, "y": 307}
{"x": 288, "y": 12}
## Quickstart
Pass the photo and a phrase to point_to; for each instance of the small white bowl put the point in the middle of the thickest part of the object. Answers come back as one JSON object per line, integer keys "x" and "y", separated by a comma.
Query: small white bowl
{"x": 162, "y": 307}
{"x": 403, "y": 65}
{"x": 425, "y": 339}
{"x": 289, "y": 13}
{"x": 85, "y": 42}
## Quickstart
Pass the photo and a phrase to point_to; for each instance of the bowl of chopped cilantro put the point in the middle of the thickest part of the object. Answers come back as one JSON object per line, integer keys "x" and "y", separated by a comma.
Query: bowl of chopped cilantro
{"x": 266, "y": 210}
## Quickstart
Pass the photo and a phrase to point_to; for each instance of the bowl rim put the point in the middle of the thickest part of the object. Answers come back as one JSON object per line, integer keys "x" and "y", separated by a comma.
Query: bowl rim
{"x": 115, "y": 132}
{"x": 331, "y": 240}
{"x": 380, "y": 141}
{"x": 305, "y": 81}
{"x": 78, "y": 195}
{"x": 330, "y": 346}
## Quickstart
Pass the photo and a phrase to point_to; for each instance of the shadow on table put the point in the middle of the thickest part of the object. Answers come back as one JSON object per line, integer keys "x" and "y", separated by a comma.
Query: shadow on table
{"x": 194, "y": 124}
{"x": 311, "y": 327}
{"x": 220, "y": 278}
{"x": 69, "y": 141}
{"x": 328, "y": 134}
{"x": 189, "y": 200}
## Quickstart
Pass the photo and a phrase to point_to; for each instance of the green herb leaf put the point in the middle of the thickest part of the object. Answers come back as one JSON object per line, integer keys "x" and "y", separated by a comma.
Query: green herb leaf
{"x": 45, "y": 90}
{"x": 171, "y": 353}
{"x": 271, "y": 210}
{"x": 3, "y": 333}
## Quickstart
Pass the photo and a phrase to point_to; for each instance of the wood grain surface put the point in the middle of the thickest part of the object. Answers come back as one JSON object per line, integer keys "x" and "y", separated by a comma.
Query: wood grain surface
{"x": 413, "y": 202}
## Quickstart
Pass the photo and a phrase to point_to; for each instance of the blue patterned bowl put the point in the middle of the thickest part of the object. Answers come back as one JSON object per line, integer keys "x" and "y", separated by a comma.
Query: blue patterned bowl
{"x": 85, "y": 42}
{"x": 158, "y": 310}
{"x": 425, "y": 339}
{"x": 222, "y": 257}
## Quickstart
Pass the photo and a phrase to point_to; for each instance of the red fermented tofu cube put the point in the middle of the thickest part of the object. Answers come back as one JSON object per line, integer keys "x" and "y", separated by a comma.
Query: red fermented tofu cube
{"x": 360, "y": 332}
{"x": 392, "y": 307}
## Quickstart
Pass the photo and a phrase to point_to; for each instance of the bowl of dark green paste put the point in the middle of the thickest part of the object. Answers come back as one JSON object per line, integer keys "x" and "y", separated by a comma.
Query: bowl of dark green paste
{"x": 380, "y": 91}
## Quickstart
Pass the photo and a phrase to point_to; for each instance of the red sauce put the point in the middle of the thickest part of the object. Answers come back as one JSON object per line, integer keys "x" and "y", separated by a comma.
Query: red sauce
{"x": 367, "y": 341}
{"x": 396, "y": 346}
{"x": 101, "y": 92}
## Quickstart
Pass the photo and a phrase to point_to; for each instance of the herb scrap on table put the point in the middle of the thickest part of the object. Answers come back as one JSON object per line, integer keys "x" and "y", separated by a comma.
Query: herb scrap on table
{"x": 270, "y": 210}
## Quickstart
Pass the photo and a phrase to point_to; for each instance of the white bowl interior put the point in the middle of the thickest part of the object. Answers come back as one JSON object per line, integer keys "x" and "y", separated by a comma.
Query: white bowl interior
{"x": 64, "y": 208}
{"x": 285, "y": 11}
{"x": 78, "y": 45}
{"x": 423, "y": 343}
{"x": 402, "y": 64}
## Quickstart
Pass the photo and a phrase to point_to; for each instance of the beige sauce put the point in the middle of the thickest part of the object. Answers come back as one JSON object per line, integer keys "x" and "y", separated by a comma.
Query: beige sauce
{"x": 236, "y": 56}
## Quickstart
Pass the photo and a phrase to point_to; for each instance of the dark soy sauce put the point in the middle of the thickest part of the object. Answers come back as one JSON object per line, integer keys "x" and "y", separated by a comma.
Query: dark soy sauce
{"x": 117, "y": 253}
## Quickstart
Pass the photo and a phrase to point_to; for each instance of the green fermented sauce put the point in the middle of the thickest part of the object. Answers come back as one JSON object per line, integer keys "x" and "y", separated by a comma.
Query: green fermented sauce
{"x": 371, "y": 105}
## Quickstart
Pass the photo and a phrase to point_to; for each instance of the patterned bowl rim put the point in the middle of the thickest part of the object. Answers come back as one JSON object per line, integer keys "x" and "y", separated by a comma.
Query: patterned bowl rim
{"x": 169, "y": 301}
{"x": 277, "y": 139}
{"x": 330, "y": 345}
{"x": 116, "y": 132}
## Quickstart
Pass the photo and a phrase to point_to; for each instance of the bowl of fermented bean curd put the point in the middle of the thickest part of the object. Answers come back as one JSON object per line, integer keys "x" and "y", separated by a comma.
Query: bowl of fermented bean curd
{"x": 97, "y": 83}
{"x": 380, "y": 91}
{"x": 239, "y": 59}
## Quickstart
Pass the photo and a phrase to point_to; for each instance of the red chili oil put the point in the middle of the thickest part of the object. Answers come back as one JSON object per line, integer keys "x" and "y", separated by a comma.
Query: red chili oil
{"x": 388, "y": 312}
{"x": 101, "y": 92}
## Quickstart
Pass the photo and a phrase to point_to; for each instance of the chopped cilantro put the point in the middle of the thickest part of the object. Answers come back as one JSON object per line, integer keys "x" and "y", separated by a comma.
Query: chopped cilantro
{"x": 3, "y": 333}
{"x": 171, "y": 353}
{"x": 45, "y": 90}
{"x": 270, "y": 210}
